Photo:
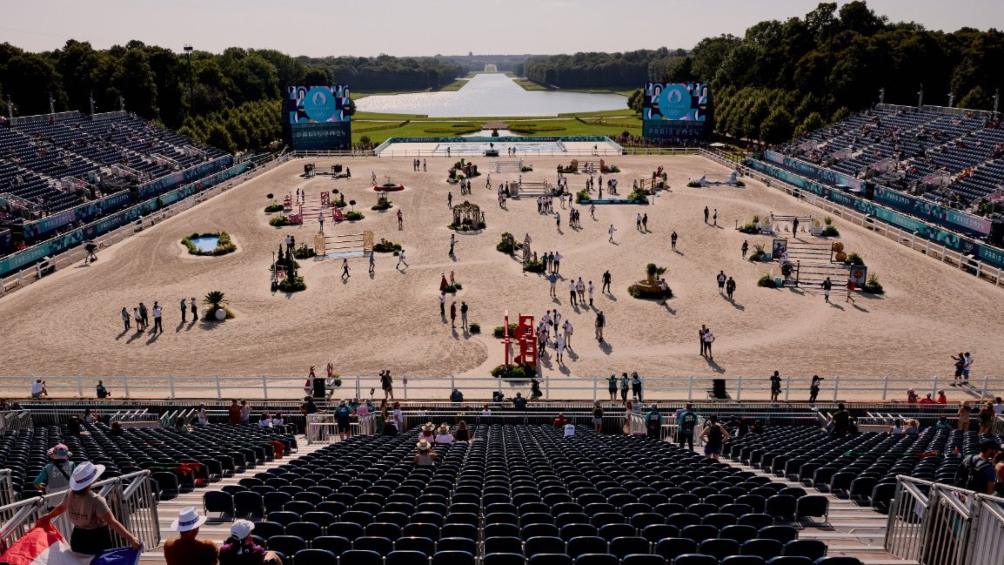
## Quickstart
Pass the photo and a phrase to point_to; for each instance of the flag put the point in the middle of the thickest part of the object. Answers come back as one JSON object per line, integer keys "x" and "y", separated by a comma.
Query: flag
{"x": 41, "y": 545}
{"x": 45, "y": 546}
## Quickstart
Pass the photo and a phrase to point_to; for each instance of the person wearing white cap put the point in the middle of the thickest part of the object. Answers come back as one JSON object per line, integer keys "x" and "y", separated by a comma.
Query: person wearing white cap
{"x": 186, "y": 549}
{"x": 89, "y": 514}
{"x": 240, "y": 548}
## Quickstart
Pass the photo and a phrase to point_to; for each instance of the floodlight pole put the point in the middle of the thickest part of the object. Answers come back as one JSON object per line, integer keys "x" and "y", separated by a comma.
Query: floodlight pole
{"x": 191, "y": 79}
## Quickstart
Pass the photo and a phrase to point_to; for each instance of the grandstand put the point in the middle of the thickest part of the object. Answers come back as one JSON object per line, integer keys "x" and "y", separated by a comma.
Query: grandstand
{"x": 952, "y": 157}
{"x": 54, "y": 163}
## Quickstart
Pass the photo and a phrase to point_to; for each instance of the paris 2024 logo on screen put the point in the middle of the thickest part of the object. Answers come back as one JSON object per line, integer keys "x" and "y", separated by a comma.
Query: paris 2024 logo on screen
{"x": 318, "y": 104}
{"x": 677, "y": 102}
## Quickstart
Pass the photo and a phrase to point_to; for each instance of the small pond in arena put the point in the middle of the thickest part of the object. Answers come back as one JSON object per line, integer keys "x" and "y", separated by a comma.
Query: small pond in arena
{"x": 206, "y": 243}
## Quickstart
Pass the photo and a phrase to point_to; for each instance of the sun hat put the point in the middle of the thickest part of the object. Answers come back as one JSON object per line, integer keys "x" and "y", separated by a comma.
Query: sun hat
{"x": 59, "y": 452}
{"x": 423, "y": 445}
{"x": 84, "y": 475}
{"x": 428, "y": 427}
{"x": 444, "y": 429}
{"x": 242, "y": 528}
{"x": 188, "y": 520}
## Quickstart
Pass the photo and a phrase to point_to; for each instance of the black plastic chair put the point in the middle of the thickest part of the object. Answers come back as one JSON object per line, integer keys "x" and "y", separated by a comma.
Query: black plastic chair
{"x": 811, "y": 548}
{"x": 453, "y": 557}
{"x": 456, "y": 544}
{"x": 695, "y": 559}
{"x": 382, "y": 546}
{"x": 766, "y": 548}
{"x": 671, "y": 548}
{"x": 406, "y": 557}
{"x": 503, "y": 559}
{"x": 743, "y": 560}
{"x": 360, "y": 557}
{"x": 314, "y": 557}
{"x": 544, "y": 544}
{"x": 597, "y": 559}
{"x": 219, "y": 501}
{"x": 719, "y": 547}
{"x": 267, "y": 529}
{"x": 627, "y": 545}
{"x": 422, "y": 545}
{"x": 305, "y": 530}
{"x": 642, "y": 559}
{"x": 335, "y": 544}
{"x": 507, "y": 544}
{"x": 583, "y": 545}
{"x": 286, "y": 545}
{"x": 783, "y": 534}
{"x": 550, "y": 559}
{"x": 789, "y": 560}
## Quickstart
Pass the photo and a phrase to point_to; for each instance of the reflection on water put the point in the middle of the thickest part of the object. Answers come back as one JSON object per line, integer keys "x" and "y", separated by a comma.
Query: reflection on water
{"x": 206, "y": 244}
{"x": 491, "y": 95}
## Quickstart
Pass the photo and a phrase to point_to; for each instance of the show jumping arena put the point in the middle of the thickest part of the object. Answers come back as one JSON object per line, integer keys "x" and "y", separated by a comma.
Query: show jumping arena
{"x": 67, "y": 329}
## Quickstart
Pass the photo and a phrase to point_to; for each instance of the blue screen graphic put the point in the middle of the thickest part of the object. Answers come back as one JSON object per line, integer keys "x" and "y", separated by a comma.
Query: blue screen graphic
{"x": 675, "y": 102}
{"x": 317, "y": 104}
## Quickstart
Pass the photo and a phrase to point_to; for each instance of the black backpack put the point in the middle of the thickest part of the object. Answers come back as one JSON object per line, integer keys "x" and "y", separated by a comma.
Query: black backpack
{"x": 968, "y": 475}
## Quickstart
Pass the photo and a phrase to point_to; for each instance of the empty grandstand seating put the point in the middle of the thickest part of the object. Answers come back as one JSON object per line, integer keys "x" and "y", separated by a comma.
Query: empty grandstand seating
{"x": 180, "y": 461}
{"x": 860, "y": 467}
{"x": 518, "y": 494}
{"x": 953, "y": 157}
{"x": 55, "y": 162}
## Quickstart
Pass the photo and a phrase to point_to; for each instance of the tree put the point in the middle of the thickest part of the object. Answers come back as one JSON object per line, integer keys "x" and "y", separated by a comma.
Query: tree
{"x": 777, "y": 128}
{"x": 220, "y": 138}
{"x": 811, "y": 122}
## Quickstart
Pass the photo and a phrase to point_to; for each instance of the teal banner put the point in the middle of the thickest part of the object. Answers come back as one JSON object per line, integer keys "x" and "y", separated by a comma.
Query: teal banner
{"x": 952, "y": 240}
{"x": 104, "y": 225}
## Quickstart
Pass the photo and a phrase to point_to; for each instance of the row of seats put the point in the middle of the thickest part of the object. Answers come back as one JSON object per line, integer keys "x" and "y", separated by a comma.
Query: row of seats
{"x": 521, "y": 492}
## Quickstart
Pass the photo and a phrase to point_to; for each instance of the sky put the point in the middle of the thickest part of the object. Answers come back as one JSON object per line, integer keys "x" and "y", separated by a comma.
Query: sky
{"x": 430, "y": 27}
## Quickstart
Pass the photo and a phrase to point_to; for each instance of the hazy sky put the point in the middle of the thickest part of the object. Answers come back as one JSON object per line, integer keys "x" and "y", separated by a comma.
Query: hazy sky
{"x": 428, "y": 27}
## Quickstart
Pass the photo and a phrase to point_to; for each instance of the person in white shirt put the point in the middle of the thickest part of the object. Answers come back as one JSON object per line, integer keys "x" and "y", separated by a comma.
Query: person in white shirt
{"x": 265, "y": 421}
{"x": 38, "y": 389}
{"x": 568, "y": 334}
{"x": 277, "y": 420}
{"x": 610, "y": 232}
{"x": 202, "y": 416}
{"x": 569, "y": 429}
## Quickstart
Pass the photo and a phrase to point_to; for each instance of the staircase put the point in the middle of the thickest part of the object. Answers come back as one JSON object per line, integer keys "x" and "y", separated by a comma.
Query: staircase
{"x": 214, "y": 529}
{"x": 850, "y": 530}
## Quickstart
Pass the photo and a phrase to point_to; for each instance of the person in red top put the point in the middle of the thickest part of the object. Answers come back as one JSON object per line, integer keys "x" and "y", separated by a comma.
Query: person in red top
{"x": 235, "y": 413}
{"x": 942, "y": 399}
{"x": 927, "y": 399}
{"x": 559, "y": 420}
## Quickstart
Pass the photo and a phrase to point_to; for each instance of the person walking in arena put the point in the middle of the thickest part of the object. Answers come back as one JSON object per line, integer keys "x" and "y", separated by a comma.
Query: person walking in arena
{"x": 158, "y": 312}
{"x": 745, "y": 248}
{"x": 195, "y": 313}
{"x": 606, "y": 282}
{"x": 345, "y": 268}
{"x": 183, "y": 306}
{"x": 400, "y": 260}
{"x": 601, "y": 321}
{"x": 730, "y": 288}
{"x": 125, "y": 319}
{"x": 372, "y": 262}
{"x": 400, "y": 220}
{"x": 672, "y": 239}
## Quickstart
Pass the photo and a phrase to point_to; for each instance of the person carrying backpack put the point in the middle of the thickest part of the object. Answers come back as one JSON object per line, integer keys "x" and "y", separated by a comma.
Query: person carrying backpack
{"x": 686, "y": 421}
{"x": 653, "y": 422}
{"x": 55, "y": 476}
{"x": 976, "y": 472}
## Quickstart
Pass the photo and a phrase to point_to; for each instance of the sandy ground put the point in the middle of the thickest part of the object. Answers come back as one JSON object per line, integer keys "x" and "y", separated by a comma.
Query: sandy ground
{"x": 69, "y": 324}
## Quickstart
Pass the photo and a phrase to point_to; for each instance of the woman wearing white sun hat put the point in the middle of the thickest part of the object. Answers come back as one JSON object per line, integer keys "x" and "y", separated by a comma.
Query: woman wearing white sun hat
{"x": 240, "y": 548}
{"x": 89, "y": 514}
{"x": 186, "y": 549}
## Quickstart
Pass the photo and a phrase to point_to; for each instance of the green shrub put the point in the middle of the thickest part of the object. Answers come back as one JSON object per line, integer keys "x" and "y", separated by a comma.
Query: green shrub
{"x": 522, "y": 372}
{"x": 830, "y": 231}
{"x": 468, "y": 225}
{"x": 303, "y": 252}
{"x": 499, "y": 331}
{"x": 279, "y": 221}
{"x": 534, "y": 266}
{"x": 354, "y": 216}
{"x": 828, "y": 220}
{"x": 385, "y": 246}
{"x": 382, "y": 204}
{"x": 646, "y": 291}
{"x": 872, "y": 285}
{"x": 759, "y": 253}
{"x": 638, "y": 197}
{"x": 766, "y": 281}
{"x": 292, "y": 285}
{"x": 453, "y": 288}
{"x": 693, "y": 184}
{"x": 750, "y": 228}
{"x": 273, "y": 208}
{"x": 507, "y": 245}
{"x": 854, "y": 259}
{"x": 474, "y": 328}
{"x": 582, "y": 197}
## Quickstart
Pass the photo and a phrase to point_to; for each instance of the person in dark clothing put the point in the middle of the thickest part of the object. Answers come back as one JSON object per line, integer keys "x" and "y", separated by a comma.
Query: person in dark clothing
{"x": 976, "y": 472}
{"x": 519, "y": 403}
{"x": 653, "y": 423}
{"x": 841, "y": 421}
{"x": 775, "y": 386}
{"x": 686, "y": 421}
{"x": 814, "y": 388}
{"x": 714, "y": 436}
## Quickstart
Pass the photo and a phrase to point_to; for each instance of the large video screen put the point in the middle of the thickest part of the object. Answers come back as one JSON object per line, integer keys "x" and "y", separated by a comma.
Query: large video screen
{"x": 317, "y": 117}
{"x": 317, "y": 104}
{"x": 678, "y": 102}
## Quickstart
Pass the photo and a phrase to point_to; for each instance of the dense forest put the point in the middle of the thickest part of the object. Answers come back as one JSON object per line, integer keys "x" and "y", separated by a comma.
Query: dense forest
{"x": 388, "y": 73}
{"x": 230, "y": 99}
{"x": 626, "y": 70}
{"x": 782, "y": 78}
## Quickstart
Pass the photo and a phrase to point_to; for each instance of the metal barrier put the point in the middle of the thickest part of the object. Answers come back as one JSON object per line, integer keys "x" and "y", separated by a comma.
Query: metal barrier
{"x": 15, "y": 421}
{"x": 939, "y": 524}
{"x": 130, "y": 497}
{"x": 7, "y": 494}
{"x": 585, "y": 387}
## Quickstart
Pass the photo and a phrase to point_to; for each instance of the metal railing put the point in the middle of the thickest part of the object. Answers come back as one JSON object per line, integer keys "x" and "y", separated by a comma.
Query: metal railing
{"x": 585, "y": 387}
{"x": 939, "y": 524}
{"x": 15, "y": 421}
{"x": 7, "y": 494}
{"x": 130, "y": 497}
{"x": 932, "y": 249}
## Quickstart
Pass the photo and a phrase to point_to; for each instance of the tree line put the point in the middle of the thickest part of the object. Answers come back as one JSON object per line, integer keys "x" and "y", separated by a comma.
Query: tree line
{"x": 230, "y": 99}
{"x": 581, "y": 70}
{"x": 784, "y": 78}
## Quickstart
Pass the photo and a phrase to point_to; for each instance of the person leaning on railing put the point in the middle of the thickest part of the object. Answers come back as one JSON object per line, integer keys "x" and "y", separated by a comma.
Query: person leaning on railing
{"x": 89, "y": 514}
